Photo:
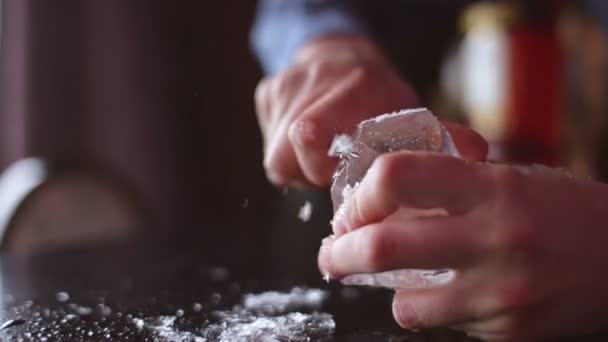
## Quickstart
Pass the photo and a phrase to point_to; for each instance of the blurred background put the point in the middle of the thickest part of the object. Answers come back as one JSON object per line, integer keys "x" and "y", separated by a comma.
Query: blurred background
{"x": 140, "y": 114}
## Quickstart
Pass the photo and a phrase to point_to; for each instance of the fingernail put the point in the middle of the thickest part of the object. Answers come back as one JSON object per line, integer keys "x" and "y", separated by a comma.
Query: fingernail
{"x": 337, "y": 223}
{"x": 325, "y": 256}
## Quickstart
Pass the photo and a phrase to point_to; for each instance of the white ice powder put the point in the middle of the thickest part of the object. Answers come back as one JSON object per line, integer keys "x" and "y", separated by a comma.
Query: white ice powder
{"x": 267, "y": 316}
{"x": 62, "y": 296}
{"x": 280, "y": 302}
{"x": 305, "y": 212}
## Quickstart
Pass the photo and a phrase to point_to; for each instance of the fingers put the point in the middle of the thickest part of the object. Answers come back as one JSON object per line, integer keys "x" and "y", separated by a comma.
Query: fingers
{"x": 469, "y": 143}
{"x": 311, "y": 134}
{"x": 301, "y": 110}
{"x": 435, "y": 307}
{"x": 413, "y": 180}
{"x": 277, "y": 101}
{"x": 425, "y": 243}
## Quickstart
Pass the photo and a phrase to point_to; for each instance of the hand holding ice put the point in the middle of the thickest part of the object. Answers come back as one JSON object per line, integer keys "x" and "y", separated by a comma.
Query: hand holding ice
{"x": 407, "y": 130}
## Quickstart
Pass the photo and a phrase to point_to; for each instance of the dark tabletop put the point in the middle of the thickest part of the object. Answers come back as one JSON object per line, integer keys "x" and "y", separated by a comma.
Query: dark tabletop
{"x": 133, "y": 292}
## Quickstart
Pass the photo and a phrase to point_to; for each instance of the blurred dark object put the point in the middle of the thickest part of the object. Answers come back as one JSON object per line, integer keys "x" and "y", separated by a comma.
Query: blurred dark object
{"x": 157, "y": 92}
{"x": 102, "y": 294}
{"x": 106, "y": 291}
{"x": 505, "y": 77}
{"x": 532, "y": 108}
{"x": 584, "y": 36}
{"x": 44, "y": 209}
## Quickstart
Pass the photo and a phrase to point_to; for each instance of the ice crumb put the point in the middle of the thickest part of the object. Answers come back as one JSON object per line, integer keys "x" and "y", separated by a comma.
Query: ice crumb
{"x": 197, "y": 307}
{"x": 179, "y": 313}
{"x": 327, "y": 277}
{"x": 83, "y": 310}
{"x": 305, "y": 212}
{"x": 62, "y": 296}
{"x": 104, "y": 310}
{"x": 163, "y": 327}
{"x": 139, "y": 323}
{"x": 253, "y": 321}
{"x": 342, "y": 146}
{"x": 295, "y": 326}
{"x": 280, "y": 302}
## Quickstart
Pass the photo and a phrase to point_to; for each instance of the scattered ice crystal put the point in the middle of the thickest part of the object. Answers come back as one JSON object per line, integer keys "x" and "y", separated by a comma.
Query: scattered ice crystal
{"x": 305, "y": 212}
{"x": 267, "y": 317}
{"x": 104, "y": 310}
{"x": 83, "y": 310}
{"x": 62, "y": 296}
{"x": 197, "y": 307}
{"x": 342, "y": 146}
{"x": 295, "y": 327}
{"x": 11, "y": 323}
{"x": 179, "y": 313}
{"x": 273, "y": 302}
{"x": 139, "y": 323}
{"x": 407, "y": 130}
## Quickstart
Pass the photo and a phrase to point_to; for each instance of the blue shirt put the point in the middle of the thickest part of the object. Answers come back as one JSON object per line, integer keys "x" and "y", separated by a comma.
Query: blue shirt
{"x": 282, "y": 26}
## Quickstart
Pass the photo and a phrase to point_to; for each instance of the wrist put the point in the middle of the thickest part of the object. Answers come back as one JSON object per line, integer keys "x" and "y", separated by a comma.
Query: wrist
{"x": 351, "y": 46}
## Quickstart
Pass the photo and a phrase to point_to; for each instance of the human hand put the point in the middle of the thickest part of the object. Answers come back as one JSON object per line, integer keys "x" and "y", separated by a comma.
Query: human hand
{"x": 334, "y": 83}
{"x": 528, "y": 245}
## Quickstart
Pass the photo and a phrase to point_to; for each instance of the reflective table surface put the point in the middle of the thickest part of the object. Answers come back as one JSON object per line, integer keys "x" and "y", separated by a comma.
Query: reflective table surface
{"x": 146, "y": 292}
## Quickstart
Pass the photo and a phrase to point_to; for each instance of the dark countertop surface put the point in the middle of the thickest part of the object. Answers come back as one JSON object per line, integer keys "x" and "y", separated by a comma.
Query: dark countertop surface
{"x": 121, "y": 293}
{"x": 151, "y": 293}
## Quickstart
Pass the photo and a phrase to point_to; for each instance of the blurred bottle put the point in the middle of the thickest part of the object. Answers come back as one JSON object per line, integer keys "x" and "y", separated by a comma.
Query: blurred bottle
{"x": 509, "y": 70}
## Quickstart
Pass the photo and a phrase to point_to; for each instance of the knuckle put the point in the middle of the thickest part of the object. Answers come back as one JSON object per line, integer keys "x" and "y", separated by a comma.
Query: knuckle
{"x": 517, "y": 295}
{"x": 307, "y": 134}
{"x": 377, "y": 248}
{"x": 508, "y": 182}
{"x": 284, "y": 83}
{"x": 275, "y": 171}
{"x": 362, "y": 73}
{"x": 318, "y": 68}
{"x": 261, "y": 90}
{"x": 518, "y": 242}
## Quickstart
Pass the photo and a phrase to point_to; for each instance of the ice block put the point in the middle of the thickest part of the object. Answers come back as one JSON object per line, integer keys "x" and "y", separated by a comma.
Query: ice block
{"x": 410, "y": 130}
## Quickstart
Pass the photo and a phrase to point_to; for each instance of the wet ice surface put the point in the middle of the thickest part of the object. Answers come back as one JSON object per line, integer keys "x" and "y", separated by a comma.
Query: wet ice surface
{"x": 407, "y": 130}
{"x": 266, "y": 316}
